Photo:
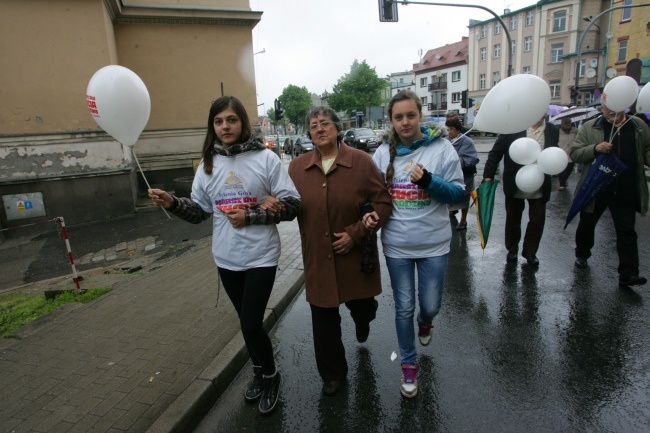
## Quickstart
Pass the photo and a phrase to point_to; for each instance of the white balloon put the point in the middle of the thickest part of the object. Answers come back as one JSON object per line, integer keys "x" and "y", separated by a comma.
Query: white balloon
{"x": 620, "y": 93}
{"x": 643, "y": 100}
{"x": 524, "y": 150}
{"x": 119, "y": 102}
{"x": 552, "y": 160}
{"x": 514, "y": 104}
{"x": 529, "y": 178}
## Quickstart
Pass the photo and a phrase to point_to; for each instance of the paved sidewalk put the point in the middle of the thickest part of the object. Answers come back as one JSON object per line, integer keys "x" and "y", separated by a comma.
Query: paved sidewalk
{"x": 150, "y": 356}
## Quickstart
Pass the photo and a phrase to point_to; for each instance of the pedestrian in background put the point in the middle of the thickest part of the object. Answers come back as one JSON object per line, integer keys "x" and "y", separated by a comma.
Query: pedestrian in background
{"x": 424, "y": 175}
{"x": 568, "y": 133}
{"x": 340, "y": 189}
{"x": 247, "y": 192}
{"x": 468, "y": 156}
{"x": 625, "y": 196}
{"x": 546, "y": 135}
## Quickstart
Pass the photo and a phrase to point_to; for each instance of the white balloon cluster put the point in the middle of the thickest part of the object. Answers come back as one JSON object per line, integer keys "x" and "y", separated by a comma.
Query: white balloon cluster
{"x": 536, "y": 163}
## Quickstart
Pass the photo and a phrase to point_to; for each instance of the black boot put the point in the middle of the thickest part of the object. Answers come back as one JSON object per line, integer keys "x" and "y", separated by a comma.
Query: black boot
{"x": 270, "y": 392}
{"x": 254, "y": 391}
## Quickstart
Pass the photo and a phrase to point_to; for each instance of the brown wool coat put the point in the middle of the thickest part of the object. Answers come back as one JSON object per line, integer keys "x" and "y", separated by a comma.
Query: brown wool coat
{"x": 332, "y": 204}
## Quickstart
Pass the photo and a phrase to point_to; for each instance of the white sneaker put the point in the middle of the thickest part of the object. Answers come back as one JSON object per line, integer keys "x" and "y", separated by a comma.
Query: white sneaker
{"x": 409, "y": 386}
{"x": 424, "y": 333}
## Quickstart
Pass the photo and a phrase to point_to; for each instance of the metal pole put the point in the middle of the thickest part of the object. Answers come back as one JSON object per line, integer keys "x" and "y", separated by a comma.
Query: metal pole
{"x": 75, "y": 276}
{"x": 582, "y": 38}
{"x": 503, "y": 24}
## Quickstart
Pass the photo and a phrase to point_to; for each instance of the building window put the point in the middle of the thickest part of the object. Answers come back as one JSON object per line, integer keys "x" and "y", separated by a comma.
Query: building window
{"x": 529, "y": 17}
{"x": 557, "y": 51}
{"x": 424, "y": 100}
{"x": 526, "y": 70}
{"x": 627, "y": 12}
{"x": 443, "y": 78}
{"x": 401, "y": 80}
{"x": 455, "y": 76}
{"x": 513, "y": 47}
{"x": 483, "y": 53}
{"x": 559, "y": 21}
{"x": 423, "y": 81}
{"x": 497, "y": 51}
{"x": 555, "y": 86}
{"x": 496, "y": 77}
{"x": 588, "y": 98}
{"x": 513, "y": 22}
{"x": 528, "y": 43}
{"x": 622, "y": 50}
{"x": 583, "y": 67}
{"x": 455, "y": 97}
{"x": 443, "y": 97}
{"x": 481, "y": 83}
{"x": 497, "y": 28}
{"x": 483, "y": 32}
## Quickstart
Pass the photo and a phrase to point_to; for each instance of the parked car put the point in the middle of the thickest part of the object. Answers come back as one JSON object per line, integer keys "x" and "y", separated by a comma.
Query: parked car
{"x": 269, "y": 142}
{"x": 303, "y": 145}
{"x": 382, "y": 135}
{"x": 361, "y": 138}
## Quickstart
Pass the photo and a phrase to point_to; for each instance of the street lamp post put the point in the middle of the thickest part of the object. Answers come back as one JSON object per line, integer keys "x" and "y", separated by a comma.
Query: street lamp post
{"x": 498, "y": 18}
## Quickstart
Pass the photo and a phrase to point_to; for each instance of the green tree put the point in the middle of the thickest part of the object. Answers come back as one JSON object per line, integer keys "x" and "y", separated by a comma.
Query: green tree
{"x": 296, "y": 101}
{"x": 271, "y": 115}
{"x": 358, "y": 89}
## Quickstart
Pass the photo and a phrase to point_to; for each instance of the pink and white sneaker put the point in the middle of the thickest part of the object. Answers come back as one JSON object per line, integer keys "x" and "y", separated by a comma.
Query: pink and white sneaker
{"x": 409, "y": 386}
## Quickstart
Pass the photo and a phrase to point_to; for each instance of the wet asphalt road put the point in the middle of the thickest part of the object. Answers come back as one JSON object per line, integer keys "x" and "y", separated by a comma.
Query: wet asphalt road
{"x": 554, "y": 349}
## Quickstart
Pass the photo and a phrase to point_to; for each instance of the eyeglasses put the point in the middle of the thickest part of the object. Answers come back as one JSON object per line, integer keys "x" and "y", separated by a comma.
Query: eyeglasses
{"x": 323, "y": 124}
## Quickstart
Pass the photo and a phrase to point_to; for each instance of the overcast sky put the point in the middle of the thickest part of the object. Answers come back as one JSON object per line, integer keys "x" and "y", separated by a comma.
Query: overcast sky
{"x": 313, "y": 43}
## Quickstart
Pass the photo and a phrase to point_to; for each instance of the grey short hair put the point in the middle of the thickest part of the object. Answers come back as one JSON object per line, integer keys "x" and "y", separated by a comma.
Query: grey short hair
{"x": 325, "y": 111}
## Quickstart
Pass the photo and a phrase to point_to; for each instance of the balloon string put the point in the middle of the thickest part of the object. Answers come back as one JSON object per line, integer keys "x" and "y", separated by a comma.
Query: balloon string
{"x": 615, "y": 129}
{"x": 145, "y": 179}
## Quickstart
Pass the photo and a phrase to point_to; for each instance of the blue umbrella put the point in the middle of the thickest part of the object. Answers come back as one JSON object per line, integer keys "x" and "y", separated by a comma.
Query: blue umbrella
{"x": 601, "y": 173}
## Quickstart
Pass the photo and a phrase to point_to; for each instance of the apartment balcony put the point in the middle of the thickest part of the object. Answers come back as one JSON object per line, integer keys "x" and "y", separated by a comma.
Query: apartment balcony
{"x": 437, "y": 107}
{"x": 440, "y": 85}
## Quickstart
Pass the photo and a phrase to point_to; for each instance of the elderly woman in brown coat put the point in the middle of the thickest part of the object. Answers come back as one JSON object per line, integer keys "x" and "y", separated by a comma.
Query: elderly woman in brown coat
{"x": 341, "y": 189}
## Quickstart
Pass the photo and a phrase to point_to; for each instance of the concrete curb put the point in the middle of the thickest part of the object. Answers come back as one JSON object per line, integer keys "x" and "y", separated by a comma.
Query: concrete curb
{"x": 185, "y": 413}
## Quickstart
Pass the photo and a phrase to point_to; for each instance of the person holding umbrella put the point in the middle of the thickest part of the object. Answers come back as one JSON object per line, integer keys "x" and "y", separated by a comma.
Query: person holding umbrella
{"x": 627, "y": 193}
{"x": 547, "y": 135}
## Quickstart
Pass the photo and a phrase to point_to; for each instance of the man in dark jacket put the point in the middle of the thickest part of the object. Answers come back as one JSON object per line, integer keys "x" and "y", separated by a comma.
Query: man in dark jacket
{"x": 546, "y": 135}
{"x": 629, "y": 140}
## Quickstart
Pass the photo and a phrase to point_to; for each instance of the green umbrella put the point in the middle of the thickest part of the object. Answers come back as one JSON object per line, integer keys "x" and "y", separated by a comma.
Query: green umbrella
{"x": 484, "y": 200}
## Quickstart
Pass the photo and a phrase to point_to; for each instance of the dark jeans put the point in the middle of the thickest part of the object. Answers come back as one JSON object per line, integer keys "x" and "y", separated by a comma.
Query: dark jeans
{"x": 326, "y": 324}
{"x": 534, "y": 230}
{"x": 623, "y": 210}
{"x": 564, "y": 176}
{"x": 249, "y": 292}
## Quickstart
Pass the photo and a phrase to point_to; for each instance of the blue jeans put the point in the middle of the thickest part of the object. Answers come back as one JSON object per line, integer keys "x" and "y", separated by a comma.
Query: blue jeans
{"x": 431, "y": 281}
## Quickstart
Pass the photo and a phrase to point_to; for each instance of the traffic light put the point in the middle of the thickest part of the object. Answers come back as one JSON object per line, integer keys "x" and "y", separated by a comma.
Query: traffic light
{"x": 278, "y": 110}
{"x": 463, "y": 99}
{"x": 574, "y": 92}
{"x": 470, "y": 102}
{"x": 387, "y": 11}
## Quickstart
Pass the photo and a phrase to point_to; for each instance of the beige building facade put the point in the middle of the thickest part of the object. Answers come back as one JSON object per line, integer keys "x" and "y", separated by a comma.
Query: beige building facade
{"x": 55, "y": 160}
{"x": 544, "y": 42}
